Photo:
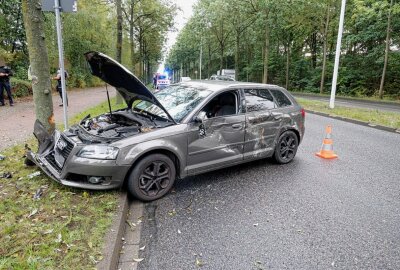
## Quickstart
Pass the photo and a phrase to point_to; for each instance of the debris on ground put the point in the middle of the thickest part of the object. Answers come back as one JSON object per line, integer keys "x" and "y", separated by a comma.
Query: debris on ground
{"x": 38, "y": 194}
{"x": 138, "y": 260}
{"x": 199, "y": 263}
{"x": 131, "y": 225}
{"x": 32, "y": 213}
{"x": 30, "y": 176}
{"x": 2, "y": 157}
{"x": 6, "y": 175}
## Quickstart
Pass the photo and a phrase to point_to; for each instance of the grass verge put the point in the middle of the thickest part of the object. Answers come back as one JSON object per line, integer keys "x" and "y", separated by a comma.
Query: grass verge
{"x": 61, "y": 229}
{"x": 389, "y": 119}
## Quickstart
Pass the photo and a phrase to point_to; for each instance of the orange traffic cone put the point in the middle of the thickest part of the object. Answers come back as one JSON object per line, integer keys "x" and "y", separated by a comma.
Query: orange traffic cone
{"x": 327, "y": 146}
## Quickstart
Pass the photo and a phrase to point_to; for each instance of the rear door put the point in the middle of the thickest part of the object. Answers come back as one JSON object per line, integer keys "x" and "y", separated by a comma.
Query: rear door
{"x": 263, "y": 121}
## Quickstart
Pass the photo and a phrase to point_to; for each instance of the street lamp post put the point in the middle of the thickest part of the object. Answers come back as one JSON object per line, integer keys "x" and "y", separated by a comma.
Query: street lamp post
{"x": 337, "y": 57}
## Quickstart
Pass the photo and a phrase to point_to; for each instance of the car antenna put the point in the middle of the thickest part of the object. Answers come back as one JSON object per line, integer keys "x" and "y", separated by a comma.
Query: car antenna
{"x": 108, "y": 99}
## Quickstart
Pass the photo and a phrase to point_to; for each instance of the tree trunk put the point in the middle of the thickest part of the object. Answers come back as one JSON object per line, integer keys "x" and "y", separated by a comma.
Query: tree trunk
{"x": 386, "y": 51}
{"x": 221, "y": 59}
{"x": 131, "y": 38}
{"x": 35, "y": 35}
{"x": 313, "y": 47}
{"x": 237, "y": 46}
{"x": 119, "y": 41}
{"x": 287, "y": 65}
{"x": 321, "y": 87}
{"x": 266, "y": 52}
{"x": 209, "y": 61}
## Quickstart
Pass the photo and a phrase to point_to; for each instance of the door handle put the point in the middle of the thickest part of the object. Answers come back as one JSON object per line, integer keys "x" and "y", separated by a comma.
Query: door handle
{"x": 237, "y": 126}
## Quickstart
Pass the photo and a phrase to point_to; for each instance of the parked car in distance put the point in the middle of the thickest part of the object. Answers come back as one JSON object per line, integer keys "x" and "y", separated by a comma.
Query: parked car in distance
{"x": 185, "y": 79}
{"x": 221, "y": 78}
{"x": 185, "y": 129}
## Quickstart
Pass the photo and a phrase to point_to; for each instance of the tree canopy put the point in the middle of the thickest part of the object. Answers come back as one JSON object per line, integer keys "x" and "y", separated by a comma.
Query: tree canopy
{"x": 292, "y": 43}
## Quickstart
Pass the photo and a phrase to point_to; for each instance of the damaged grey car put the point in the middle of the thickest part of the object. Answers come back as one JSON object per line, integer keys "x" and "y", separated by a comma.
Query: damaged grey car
{"x": 185, "y": 129}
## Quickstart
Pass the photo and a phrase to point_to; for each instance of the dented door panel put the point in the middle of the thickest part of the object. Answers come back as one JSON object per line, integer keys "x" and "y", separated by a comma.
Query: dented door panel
{"x": 215, "y": 143}
{"x": 261, "y": 129}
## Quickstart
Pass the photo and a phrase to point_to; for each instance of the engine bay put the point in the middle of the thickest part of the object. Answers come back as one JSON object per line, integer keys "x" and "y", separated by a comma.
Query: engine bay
{"x": 119, "y": 124}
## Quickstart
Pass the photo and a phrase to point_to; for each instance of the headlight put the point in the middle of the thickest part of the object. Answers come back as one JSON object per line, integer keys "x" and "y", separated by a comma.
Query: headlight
{"x": 98, "y": 152}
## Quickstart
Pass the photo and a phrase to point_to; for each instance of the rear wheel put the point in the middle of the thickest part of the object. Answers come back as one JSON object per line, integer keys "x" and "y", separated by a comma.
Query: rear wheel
{"x": 152, "y": 177}
{"x": 286, "y": 148}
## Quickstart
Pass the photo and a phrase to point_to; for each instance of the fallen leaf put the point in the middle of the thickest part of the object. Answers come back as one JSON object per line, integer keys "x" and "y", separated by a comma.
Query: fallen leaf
{"x": 48, "y": 231}
{"x": 199, "y": 263}
{"x": 85, "y": 194}
{"x": 59, "y": 238}
{"x": 33, "y": 212}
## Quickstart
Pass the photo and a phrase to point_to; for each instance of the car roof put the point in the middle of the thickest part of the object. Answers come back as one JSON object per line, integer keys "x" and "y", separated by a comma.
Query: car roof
{"x": 215, "y": 85}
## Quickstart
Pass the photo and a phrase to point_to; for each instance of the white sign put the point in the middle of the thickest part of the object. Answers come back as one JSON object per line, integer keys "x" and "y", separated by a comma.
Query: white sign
{"x": 65, "y": 5}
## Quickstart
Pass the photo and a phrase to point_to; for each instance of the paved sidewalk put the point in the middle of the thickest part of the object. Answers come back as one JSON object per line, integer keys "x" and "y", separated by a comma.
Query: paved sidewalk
{"x": 16, "y": 123}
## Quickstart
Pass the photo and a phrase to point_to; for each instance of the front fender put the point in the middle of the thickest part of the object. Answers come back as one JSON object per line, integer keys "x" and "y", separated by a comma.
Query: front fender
{"x": 129, "y": 155}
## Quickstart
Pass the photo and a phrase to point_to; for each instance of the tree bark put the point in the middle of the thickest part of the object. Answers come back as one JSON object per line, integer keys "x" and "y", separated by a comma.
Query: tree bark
{"x": 387, "y": 48}
{"x": 119, "y": 40}
{"x": 237, "y": 46}
{"x": 287, "y": 65}
{"x": 266, "y": 51}
{"x": 131, "y": 37}
{"x": 321, "y": 87}
{"x": 38, "y": 57}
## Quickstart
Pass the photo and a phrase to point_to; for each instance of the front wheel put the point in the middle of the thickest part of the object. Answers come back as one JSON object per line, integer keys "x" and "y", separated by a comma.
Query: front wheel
{"x": 286, "y": 148}
{"x": 152, "y": 177}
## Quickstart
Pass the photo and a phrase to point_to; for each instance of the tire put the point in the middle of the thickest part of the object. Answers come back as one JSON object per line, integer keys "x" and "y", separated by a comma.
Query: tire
{"x": 152, "y": 177}
{"x": 286, "y": 148}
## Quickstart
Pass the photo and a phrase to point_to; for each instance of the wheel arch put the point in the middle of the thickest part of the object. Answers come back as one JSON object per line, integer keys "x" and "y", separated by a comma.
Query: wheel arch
{"x": 173, "y": 156}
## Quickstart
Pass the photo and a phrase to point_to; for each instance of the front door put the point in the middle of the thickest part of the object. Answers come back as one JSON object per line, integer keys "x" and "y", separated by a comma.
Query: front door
{"x": 218, "y": 140}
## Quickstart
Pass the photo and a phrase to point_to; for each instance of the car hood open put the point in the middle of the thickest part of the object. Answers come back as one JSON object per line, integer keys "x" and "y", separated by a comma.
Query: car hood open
{"x": 127, "y": 84}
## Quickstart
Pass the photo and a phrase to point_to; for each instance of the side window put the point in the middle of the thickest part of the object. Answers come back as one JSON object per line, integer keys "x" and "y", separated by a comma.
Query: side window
{"x": 222, "y": 105}
{"x": 258, "y": 100}
{"x": 281, "y": 98}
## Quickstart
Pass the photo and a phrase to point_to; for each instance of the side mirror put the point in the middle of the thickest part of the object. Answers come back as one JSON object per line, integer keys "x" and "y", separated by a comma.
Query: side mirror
{"x": 200, "y": 117}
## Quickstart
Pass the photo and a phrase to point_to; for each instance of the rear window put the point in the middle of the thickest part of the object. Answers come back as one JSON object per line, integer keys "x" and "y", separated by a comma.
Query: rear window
{"x": 281, "y": 99}
{"x": 258, "y": 100}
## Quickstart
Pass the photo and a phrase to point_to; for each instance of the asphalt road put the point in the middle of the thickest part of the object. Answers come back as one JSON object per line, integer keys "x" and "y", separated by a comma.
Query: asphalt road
{"x": 354, "y": 103}
{"x": 310, "y": 214}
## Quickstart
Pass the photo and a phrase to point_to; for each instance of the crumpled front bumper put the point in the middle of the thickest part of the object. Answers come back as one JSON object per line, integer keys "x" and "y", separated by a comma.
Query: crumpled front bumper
{"x": 57, "y": 158}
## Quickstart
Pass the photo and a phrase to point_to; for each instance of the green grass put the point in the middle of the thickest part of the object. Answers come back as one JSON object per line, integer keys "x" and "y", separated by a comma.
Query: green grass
{"x": 374, "y": 117}
{"x": 64, "y": 229}
{"x": 386, "y": 99}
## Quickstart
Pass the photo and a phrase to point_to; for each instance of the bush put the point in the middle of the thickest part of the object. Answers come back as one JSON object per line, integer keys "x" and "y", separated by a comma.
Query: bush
{"x": 21, "y": 88}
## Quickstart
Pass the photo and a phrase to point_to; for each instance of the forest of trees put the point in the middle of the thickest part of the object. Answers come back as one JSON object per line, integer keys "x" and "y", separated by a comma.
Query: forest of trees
{"x": 143, "y": 28}
{"x": 292, "y": 44}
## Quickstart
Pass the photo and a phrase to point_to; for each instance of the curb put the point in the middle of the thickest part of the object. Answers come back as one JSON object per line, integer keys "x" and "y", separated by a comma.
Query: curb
{"x": 112, "y": 240}
{"x": 357, "y": 122}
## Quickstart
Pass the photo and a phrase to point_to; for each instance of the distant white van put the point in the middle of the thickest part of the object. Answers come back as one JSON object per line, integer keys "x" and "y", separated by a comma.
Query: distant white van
{"x": 227, "y": 72}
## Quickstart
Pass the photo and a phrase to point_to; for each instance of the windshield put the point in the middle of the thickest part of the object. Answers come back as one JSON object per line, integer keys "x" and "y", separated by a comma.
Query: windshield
{"x": 178, "y": 100}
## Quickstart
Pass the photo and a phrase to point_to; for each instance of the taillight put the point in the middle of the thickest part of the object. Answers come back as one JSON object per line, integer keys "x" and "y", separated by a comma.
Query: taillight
{"x": 303, "y": 112}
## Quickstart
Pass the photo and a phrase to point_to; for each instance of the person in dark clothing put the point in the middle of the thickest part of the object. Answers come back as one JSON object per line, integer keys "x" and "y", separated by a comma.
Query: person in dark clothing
{"x": 58, "y": 87}
{"x": 154, "y": 81}
{"x": 5, "y": 73}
